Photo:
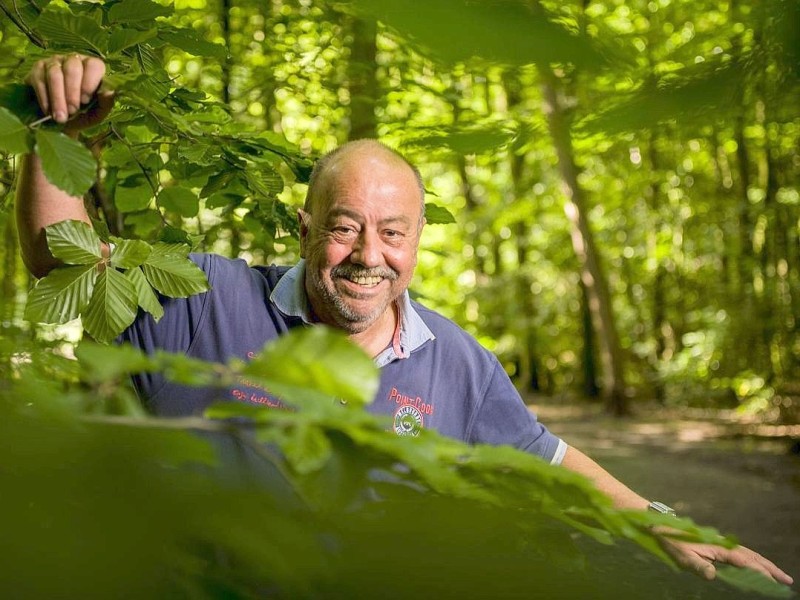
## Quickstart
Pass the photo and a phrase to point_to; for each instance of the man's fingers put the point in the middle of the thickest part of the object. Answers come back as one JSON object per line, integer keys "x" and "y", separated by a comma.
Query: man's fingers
{"x": 93, "y": 71}
{"x": 36, "y": 80}
{"x": 72, "y": 68}
{"x": 744, "y": 557}
{"x": 54, "y": 77}
{"x": 64, "y": 83}
{"x": 697, "y": 564}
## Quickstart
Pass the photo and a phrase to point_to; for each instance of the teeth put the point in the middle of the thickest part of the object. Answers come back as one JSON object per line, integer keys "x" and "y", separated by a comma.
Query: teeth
{"x": 368, "y": 281}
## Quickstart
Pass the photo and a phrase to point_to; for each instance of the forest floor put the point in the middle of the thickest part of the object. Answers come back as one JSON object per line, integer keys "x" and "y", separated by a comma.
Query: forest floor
{"x": 717, "y": 468}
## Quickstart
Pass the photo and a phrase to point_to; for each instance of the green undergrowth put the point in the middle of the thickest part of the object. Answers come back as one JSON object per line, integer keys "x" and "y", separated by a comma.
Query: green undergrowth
{"x": 317, "y": 501}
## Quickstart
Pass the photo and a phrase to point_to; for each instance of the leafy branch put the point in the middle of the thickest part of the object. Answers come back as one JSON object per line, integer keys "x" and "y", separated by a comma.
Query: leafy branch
{"x": 106, "y": 292}
{"x": 16, "y": 17}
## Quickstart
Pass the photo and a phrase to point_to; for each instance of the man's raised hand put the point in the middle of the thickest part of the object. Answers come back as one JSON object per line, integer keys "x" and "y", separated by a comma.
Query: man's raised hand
{"x": 65, "y": 84}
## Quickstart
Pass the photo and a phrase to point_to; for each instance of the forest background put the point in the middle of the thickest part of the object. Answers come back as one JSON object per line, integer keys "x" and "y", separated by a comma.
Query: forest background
{"x": 612, "y": 186}
{"x": 626, "y": 211}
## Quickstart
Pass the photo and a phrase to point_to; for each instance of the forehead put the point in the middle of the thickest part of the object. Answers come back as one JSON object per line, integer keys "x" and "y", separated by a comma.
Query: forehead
{"x": 375, "y": 183}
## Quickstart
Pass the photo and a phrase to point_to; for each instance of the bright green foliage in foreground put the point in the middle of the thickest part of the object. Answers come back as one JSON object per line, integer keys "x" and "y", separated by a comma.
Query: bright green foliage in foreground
{"x": 313, "y": 501}
{"x": 109, "y": 297}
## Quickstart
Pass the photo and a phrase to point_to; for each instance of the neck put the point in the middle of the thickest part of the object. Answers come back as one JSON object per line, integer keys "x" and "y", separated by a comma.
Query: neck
{"x": 378, "y": 336}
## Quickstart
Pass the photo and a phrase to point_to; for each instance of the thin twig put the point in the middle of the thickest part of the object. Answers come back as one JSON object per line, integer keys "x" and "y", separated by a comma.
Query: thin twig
{"x": 16, "y": 18}
{"x": 40, "y": 121}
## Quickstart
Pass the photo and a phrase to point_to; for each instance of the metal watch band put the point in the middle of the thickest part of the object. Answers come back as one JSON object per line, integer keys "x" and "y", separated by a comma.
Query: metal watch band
{"x": 662, "y": 508}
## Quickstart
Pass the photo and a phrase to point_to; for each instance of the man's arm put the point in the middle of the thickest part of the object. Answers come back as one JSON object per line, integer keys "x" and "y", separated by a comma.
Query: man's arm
{"x": 698, "y": 558}
{"x": 62, "y": 86}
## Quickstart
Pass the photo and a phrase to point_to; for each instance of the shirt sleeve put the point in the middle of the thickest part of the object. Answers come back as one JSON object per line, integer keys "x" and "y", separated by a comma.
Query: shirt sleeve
{"x": 503, "y": 418}
{"x": 174, "y": 332}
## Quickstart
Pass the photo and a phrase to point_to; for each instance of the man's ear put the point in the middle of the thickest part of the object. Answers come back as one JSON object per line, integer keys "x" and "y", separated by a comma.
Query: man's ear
{"x": 303, "y": 218}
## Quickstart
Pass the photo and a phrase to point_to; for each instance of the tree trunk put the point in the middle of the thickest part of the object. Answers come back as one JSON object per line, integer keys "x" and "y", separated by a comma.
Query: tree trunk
{"x": 362, "y": 80}
{"x": 599, "y": 298}
{"x": 225, "y": 24}
{"x": 10, "y": 269}
{"x": 659, "y": 316}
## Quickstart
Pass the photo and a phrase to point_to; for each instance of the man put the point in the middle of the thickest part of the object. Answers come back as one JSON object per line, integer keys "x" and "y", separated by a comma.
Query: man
{"x": 360, "y": 229}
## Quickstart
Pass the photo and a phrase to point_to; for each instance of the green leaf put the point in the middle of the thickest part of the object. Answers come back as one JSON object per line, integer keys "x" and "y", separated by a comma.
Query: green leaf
{"x": 505, "y": 32}
{"x": 307, "y": 448}
{"x": 692, "y": 95}
{"x": 199, "y": 154}
{"x": 753, "y": 581}
{"x": 174, "y": 235}
{"x": 67, "y": 164}
{"x": 320, "y": 359}
{"x": 20, "y": 100}
{"x": 132, "y": 11}
{"x": 79, "y": 33}
{"x": 129, "y": 253}
{"x": 438, "y": 215}
{"x": 218, "y": 200}
{"x": 219, "y": 181}
{"x": 125, "y": 38}
{"x": 180, "y": 200}
{"x": 145, "y": 223}
{"x": 131, "y": 199}
{"x": 145, "y": 296}
{"x": 62, "y": 295}
{"x": 171, "y": 249}
{"x": 188, "y": 41}
{"x": 74, "y": 242}
{"x": 465, "y": 140}
{"x": 15, "y": 138}
{"x": 266, "y": 182}
{"x": 100, "y": 362}
{"x": 112, "y": 307}
{"x": 171, "y": 273}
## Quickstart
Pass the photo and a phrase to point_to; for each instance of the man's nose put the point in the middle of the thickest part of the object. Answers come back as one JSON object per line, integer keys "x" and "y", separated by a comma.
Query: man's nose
{"x": 366, "y": 250}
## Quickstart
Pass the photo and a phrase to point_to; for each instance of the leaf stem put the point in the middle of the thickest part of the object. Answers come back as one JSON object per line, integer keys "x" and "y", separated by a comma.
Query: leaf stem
{"x": 40, "y": 121}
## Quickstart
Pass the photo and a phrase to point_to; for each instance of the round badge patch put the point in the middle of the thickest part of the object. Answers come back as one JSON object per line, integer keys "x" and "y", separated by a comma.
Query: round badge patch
{"x": 407, "y": 420}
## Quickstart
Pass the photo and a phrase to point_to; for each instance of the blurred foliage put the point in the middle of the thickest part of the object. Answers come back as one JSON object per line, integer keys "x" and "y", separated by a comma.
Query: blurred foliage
{"x": 313, "y": 502}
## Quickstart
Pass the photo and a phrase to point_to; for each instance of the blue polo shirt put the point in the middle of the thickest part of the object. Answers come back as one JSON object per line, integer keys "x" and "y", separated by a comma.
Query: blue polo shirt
{"x": 433, "y": 374}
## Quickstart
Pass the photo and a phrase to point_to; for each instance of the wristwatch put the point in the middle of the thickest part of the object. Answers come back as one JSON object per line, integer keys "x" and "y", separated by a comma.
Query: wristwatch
{"x": 662, "y": 508}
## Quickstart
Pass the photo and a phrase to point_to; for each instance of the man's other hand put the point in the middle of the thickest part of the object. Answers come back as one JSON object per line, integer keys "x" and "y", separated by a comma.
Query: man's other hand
{"x": 702, "y": 558}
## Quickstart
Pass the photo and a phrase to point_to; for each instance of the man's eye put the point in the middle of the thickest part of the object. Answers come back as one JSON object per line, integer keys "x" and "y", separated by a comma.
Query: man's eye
{"x": 343, "y": 233}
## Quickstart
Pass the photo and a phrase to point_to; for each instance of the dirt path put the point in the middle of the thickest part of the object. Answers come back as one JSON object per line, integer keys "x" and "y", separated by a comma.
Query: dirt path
{"x": 739, "y": 477}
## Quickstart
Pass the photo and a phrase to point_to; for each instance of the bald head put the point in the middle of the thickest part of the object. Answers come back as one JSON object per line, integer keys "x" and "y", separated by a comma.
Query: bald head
{"x": 359, "y": 154}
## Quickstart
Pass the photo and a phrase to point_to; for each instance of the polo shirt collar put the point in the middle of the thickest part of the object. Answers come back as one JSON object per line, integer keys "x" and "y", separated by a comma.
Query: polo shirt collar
{"x": 289, "y": 297}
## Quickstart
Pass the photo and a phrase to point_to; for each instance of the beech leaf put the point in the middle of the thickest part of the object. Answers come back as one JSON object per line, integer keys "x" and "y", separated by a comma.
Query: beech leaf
{"x": 180, "y": 200}
{"x": 145, "y": 296}
{"x": 172, "y": 273}
{"x": 112, "y": 306}
{"x": 74, "y": 242}
{"x": 14, "y": 134}
{"x": 73, "y": 32}
{"x": 438, "y": 215}
{"x": 67, "y": 164}
{"x": 129, "y": 253}
{"x": 62, "y": 295}
{"x": 131, "y": 11}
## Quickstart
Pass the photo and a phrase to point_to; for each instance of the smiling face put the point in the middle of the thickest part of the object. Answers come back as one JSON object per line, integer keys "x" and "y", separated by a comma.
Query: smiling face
{"x": 360, "y": 236}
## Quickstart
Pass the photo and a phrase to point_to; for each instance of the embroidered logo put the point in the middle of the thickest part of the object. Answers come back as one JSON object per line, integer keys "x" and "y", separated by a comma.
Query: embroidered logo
{"x": 407, "y": 420}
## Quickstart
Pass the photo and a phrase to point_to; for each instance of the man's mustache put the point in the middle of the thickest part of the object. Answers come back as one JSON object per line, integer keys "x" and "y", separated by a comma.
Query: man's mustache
{"x": 354, "y": 271}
